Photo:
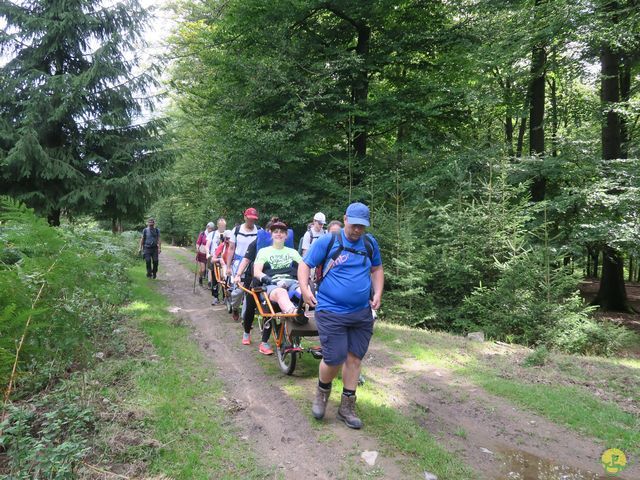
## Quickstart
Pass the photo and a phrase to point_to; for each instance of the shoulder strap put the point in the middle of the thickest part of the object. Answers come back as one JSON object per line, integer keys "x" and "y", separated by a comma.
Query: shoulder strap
{"x": 368, "y": 244}
{"x": 336, "y": 254}
{"x": 236, "y": 231}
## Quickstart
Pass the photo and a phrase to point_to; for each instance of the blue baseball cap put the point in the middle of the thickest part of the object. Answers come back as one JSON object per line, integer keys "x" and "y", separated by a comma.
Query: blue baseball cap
{"x": 358, "y": 214}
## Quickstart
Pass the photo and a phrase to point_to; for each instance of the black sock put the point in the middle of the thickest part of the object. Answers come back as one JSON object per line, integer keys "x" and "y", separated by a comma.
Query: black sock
{"x": 348, "y": 393}
{"x": 326, "y": 386}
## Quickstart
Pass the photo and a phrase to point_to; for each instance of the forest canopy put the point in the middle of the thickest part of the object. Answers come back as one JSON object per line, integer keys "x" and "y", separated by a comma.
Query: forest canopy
{"x": 495, "y": 142}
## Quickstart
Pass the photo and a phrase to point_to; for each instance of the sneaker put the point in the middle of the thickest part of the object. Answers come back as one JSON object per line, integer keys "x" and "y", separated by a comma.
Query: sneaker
{"x": 200, "y": 281}
{"x": 215, "y": 301}
{"x": 265, "y": 349}
{"x": 154, "y": 275}
{"x": 148, "y": 275}
{"x": 235, "y": 315}
{"x": 347, "y": 412}
{"x": 319, "y": 404}
{"x": 246, "y": 339}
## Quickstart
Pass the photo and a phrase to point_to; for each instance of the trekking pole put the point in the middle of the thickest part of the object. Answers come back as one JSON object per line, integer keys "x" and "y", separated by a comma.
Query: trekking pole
{"x": 195, "y": 278}
{"x": 195, "y": 274}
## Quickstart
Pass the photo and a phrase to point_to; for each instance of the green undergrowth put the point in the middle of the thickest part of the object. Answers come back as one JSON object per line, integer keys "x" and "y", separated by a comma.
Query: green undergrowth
{"x": 186, "y": 402}
{"x": 567, "y": 389}
{"x": 400, "y": 436}
{"x": 60, "y": 289}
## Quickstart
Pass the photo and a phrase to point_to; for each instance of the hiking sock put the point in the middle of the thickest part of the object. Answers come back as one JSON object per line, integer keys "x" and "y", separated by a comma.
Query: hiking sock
{"x": 348, "y": 393}
{"x": 326, "y": 386}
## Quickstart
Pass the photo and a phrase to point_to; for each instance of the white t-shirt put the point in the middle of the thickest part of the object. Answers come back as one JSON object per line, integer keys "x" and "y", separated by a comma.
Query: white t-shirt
{"x": 214, "y": 241}
{"x": 244, "y": 238}
{"x": 310, "y": 237}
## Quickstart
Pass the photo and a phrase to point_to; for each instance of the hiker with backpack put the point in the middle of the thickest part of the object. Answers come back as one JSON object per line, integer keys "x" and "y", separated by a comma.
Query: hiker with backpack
{"x": 349, "y": 288}
{"x": 241, "y": 238}
{"x": 314, "y": 232}
{"x": 334, "y": 226}
{"x": 217, "y": 237}
{"x": 201, "y": 251}
{"x": 150, "y": 247}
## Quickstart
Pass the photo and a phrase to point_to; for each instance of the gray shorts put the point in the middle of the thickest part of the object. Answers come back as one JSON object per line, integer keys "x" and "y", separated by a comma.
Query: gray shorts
{"x": 289, "y": 285}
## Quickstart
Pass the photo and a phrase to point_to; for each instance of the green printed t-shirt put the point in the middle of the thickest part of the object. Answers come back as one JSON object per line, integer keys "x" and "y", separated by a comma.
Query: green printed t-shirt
{"x": 279, "y": 263}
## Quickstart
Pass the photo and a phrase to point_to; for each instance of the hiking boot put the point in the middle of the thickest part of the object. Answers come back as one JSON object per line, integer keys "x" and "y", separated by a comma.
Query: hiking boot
{"x": 246, "y": 339}
{"x": 148, "y": 275}
{"x": 319, "y": 404}
{"x": 154, "y": 275}
{"x": 200, "y": 281}
{"x": 265, "y": 349}
{"x": 347, "y": 412}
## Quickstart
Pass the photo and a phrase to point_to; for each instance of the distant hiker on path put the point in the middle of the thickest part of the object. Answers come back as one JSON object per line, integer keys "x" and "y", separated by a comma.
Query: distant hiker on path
{"x": 314, "y": 232}
{"x": 349, "y": 290}
{"x": 201, "y": 250}
{"x": 150, "y": 247}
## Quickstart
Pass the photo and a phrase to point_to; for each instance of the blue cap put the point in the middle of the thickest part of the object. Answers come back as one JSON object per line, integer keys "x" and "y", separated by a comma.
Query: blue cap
{"x": 358, "y": 214}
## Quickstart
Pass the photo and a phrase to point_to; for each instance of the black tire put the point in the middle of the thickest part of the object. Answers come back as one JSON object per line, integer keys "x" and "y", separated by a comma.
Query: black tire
{"x": 227, "y": 300}
{"x": 287, "y": 361}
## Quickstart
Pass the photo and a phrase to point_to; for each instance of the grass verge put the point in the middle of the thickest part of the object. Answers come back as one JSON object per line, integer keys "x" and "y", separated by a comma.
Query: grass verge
{"x": 553, "y": 391}
{"x": 184, "y": 401}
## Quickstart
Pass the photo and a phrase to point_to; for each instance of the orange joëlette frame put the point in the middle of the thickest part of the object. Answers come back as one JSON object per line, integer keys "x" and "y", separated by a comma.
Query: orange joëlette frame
{"x": 271, "y": 313}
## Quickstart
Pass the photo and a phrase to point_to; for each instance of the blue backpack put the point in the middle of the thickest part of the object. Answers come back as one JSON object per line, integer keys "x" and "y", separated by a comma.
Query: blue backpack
{"x": 264, "y": 239}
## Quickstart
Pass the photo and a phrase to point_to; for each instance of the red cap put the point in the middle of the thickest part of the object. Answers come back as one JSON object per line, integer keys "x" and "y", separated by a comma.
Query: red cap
{"x": 251, "y": 213}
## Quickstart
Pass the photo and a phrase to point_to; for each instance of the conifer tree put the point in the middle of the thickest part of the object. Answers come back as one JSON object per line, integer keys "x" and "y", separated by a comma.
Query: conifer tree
{"x": 70, "y": 94}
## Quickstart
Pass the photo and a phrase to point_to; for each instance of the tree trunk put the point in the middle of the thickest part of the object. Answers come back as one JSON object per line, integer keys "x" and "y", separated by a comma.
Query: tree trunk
{"x": 625, "y": 95}
{"x": 360, "y": 93}
{"x": 631, "y": 268}
{"x": 612, "y": 294}
{"x": 53, "y": 217}
{"x": 554, "y": 117}
{"x": 116, "y": 225}
{"x": 521, "y": 132}
{"x": 595, "y": 256}
{"x": 611, "y": 139}
{"x": 536, "y": 115}
{"x": 508, "y": 120}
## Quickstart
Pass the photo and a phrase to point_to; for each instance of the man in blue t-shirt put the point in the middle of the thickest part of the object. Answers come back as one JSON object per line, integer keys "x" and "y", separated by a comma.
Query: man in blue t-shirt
{"x": 351, "y": 288}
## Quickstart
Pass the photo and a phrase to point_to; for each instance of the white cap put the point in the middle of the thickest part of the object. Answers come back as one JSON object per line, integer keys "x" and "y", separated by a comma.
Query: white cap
{"x": 211, "y": 225}
{"x": 320, "y": 217}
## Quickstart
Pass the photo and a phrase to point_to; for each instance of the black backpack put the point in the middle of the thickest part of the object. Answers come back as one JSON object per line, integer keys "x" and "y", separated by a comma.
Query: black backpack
{"x": 144, "y": 236}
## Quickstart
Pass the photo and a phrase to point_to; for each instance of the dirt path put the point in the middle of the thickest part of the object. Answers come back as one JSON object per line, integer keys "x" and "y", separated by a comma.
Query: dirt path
{"x": 271, "y": 420}
{"x": 488, "y": 433}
